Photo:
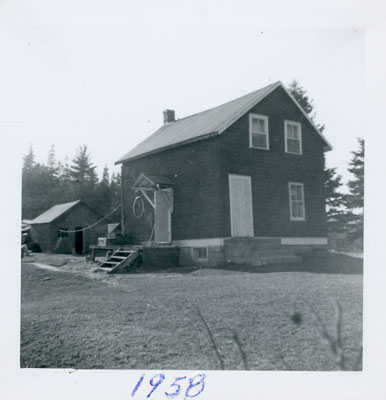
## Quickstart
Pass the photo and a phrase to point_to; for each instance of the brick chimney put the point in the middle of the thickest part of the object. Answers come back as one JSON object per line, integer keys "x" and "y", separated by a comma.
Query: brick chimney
{"x": 169, "y": 116}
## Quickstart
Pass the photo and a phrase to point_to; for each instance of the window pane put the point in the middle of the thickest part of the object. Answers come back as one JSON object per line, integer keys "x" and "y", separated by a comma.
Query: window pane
{"x": 289, "y": 131}
{"x": 293, "y": 131}
{"x": 259, "y": 140}
{"x": 299, "y": 194}
{"x": 297, "y": 201}
{"x": 294, "y": 210}
{"x": 255, "y": 125}
{"x": 261, "y": 126}
{"x": 293, "y": 146}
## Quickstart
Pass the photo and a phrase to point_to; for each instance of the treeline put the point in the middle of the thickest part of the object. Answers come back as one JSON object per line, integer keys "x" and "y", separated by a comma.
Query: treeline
{"x": 56, "y": 182}
{"x": 345, "y": 210}
{"x": 344, "y": 207}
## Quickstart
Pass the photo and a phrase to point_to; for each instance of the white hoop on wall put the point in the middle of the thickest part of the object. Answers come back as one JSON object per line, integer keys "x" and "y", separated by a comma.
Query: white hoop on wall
{"x": 138, "y": 201}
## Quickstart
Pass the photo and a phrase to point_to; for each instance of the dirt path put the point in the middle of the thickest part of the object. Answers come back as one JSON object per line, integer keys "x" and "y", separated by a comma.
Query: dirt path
{"x": 48, "y": 267}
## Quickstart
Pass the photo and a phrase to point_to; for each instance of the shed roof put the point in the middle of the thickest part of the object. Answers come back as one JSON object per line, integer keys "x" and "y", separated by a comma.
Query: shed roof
{"x": 54, "y": 212}
{"x": 207, "y": 123}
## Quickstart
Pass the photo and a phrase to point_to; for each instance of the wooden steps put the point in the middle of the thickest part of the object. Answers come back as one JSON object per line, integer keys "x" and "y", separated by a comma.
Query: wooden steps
{"x": 122, "y": 260}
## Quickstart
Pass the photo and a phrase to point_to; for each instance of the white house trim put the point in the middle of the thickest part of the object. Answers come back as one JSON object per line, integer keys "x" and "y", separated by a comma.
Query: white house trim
{"x": 304, "y": 240}
{"x": 299, "y": 125}
{"x": 199, "y": 242}
{"x": 266, "y": 130}
{"x": 292, "y": 218}
{"x": 212, "y": 242}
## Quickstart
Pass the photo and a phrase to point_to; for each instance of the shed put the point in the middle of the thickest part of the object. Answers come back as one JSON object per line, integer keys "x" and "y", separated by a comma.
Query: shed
{"x": 61, "y": 229}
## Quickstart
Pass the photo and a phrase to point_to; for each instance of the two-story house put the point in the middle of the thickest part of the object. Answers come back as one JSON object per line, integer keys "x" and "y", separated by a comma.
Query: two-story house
{"x": 234, "y": 183}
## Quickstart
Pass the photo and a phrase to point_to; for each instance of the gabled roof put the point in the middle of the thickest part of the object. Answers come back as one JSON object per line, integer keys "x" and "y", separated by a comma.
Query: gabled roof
{"x": 54, "y": 212}
{"x": 207, "y": 123}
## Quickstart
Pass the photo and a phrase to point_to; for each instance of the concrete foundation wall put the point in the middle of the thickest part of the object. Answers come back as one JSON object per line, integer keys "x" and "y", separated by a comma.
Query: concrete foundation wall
{"x": 189, "y": 256}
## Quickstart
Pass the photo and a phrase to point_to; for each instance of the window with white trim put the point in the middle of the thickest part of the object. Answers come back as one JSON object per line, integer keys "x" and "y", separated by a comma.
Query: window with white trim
{"x": 293, "y": 137}
{"x": 296, "y": 201}
{"x": 201, "y": 253}
{"x": 258, "y": 132}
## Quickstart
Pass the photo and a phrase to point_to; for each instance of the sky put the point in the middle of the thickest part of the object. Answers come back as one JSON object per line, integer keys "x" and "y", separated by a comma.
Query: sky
{"x": 102, "y": 73}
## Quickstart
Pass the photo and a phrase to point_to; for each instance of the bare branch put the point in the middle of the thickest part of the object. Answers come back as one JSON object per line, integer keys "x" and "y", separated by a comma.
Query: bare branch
{"x": 236, "y": 339}
{"x": 211, "y": 339}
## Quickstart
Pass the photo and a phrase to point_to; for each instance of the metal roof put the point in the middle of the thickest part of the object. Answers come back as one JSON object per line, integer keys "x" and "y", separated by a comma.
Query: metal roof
{"x": 207, "y": 123}
{"x": 54, "y": 212}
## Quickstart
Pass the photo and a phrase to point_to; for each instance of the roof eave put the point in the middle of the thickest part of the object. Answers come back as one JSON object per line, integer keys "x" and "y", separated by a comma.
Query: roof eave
{"x": 226, "y": 124}
{"x": 58, "y": 216}
{"x": 172, "y": 146}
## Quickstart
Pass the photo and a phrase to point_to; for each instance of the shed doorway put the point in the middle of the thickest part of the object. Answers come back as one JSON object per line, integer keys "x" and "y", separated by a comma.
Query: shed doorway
{"x": 78, "y": 240}
{"x": 241, "y": 212}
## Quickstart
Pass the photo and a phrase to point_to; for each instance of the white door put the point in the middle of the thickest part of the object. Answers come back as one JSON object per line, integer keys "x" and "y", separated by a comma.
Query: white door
{"x": 240, "y": 195}
{"x": 163, "y": 209}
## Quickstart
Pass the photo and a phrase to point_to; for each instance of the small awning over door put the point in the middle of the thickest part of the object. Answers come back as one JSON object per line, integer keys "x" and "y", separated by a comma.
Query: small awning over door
{"x": 152, "y": 182}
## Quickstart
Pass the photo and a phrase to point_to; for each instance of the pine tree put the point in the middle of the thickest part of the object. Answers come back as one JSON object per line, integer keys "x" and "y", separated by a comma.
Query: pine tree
{"x": 335, "y": 201}
{"x": 301, "y": 97}
{"x": 34, "y": 187}
{"x": 116, "y": 189}
{"x": 82, "y": 170}
{"x": 52, "y": 165}
{"x": 355, "y": 200}
{"x": 103, "y": 193}
{"x": 83, "y": 178}
{"x": 29, "y": 160}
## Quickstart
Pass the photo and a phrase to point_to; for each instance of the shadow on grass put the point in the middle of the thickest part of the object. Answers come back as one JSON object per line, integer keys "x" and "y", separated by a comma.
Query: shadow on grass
{"x": 315, "y": 262}
{"x": 163, "y": 270}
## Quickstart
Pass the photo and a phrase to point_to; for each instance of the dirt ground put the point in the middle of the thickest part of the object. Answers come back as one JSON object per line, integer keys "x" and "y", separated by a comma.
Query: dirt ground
{"x": 73, "y": 317}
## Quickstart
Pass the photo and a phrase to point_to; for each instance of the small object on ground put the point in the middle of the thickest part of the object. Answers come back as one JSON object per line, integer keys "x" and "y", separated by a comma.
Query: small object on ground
{"x": 24, "y": 251}
{"x": 296, "y": 318}
{"x": 47, "y": 279}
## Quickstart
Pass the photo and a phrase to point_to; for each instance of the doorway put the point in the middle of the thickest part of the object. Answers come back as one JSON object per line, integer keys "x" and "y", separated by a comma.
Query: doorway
{"x": 78, "y": 240}
{"x": 241, "y": 212}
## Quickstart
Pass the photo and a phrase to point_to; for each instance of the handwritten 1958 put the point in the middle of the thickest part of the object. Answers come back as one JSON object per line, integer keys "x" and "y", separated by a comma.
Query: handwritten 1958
{"x": 191, "y": 387}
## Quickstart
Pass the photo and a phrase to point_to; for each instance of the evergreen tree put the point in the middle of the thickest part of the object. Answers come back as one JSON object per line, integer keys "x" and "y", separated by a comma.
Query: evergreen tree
{"x": 29, "y": 160}
{"x": 52, "y": 165}
{"x": 34, "y": 187}
{"x": 301, "y": 97}
{"x": 116, "y": 189}
{"x": 335, "y": 201}
{"x": 103, "y": 194}
{"x": 355, "y": 200}
{"x": 356, "y": 186}
{"x": 82, "y": 170}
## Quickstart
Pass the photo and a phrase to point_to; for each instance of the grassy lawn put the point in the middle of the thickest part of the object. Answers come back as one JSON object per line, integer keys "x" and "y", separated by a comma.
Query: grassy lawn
{"x": 73, "y": 318}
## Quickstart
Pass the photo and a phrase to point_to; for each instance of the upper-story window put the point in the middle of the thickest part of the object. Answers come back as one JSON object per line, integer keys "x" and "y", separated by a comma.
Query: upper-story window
{"x": 293, "y": 137}
{"x": 258, "y": 132}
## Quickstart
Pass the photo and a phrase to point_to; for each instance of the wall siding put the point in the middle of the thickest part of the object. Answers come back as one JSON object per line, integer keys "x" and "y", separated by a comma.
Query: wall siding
{"x": 271, "y": 171}
{"x": 194, "y": 169}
